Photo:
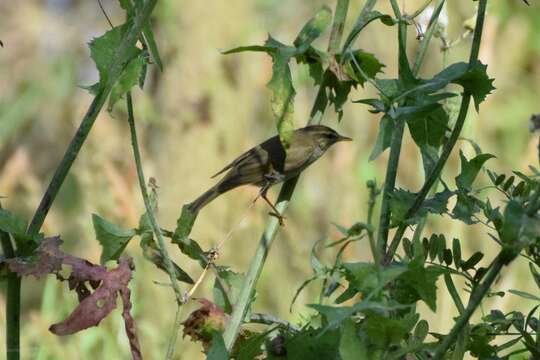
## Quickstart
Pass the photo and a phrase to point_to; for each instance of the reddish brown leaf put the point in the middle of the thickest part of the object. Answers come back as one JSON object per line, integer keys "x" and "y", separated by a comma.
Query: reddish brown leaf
{"x": 96, "y": 287}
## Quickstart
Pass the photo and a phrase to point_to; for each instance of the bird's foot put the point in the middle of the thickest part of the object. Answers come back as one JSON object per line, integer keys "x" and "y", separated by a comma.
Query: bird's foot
{"x": 280, "y": 217}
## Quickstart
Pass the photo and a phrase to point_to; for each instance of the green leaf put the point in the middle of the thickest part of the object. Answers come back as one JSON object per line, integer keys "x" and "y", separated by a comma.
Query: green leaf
{"x": 524, "y": 295}
{"x": 384, "y": 331}
{"x": 466, "y": 207}
{"x": 184, "y": 224}
{"x": 129, "y": 78}
{"x": 474, "y": 80}
{"x": 217, "y": 350}
{"x": 11, "y": 223}
{"x": 367, "y": 62}
{"x": 428, "y": 124}
{"x": 351, "y": 347}
{"x": 312, "y": 344}
{"x": 251, "y": 348}
{"x": 470, "y": 170}
{"x": 232, "y": 281}
{"x": 472, "y": 261}
{"x": 313, "y": 29}
{"x": 283, "y": 93}
{"x": 113, "y": 239}
{"x": 384, "y": 137}
{"x": 418, "y": 282}
{"x": 103, "y": 51}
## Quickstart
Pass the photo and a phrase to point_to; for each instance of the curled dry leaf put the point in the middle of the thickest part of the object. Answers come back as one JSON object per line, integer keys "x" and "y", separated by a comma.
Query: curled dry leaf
{"x": 94, "y": 303}
{"x": 203, "y": 322}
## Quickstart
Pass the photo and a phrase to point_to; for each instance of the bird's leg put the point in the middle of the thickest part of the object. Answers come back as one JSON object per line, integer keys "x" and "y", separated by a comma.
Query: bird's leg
{"x": 274, "y": 211}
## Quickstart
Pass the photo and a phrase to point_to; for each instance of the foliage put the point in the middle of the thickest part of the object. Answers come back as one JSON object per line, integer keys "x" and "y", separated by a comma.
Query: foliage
{"x": 365, "y": 309}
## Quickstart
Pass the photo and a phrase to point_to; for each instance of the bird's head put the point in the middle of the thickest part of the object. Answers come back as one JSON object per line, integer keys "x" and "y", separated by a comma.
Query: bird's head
{"x": 325, "y": 136}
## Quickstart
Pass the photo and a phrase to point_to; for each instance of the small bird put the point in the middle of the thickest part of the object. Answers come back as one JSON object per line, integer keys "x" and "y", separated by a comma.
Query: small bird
{"x": 270, "y": 163}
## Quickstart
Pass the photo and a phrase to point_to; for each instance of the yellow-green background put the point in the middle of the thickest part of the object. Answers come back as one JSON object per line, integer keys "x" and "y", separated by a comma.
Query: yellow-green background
{"x": 202, "y": 111}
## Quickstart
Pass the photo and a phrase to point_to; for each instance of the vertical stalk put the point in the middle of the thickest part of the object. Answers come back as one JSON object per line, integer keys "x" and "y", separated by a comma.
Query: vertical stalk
{"x": 395, "y": 146}
{"x": 13, "y": 302}
{"x": 454, "y": 136}
{"x": 286, "y": 192}
{"x": 13, "y": 294}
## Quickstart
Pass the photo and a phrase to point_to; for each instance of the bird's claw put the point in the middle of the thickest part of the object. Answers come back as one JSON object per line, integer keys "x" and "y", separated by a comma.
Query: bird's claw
{"x": 280, "y": 218}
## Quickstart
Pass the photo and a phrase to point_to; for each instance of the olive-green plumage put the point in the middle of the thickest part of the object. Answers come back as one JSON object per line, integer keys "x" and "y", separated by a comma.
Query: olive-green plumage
{"x": 269, "y": 163}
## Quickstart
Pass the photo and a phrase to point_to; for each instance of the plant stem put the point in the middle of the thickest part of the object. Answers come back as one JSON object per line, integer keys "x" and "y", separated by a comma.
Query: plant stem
{"x": 421, "y": 9}
{"x": 255, "y": 268}
{"x": 13, "y": 302}
{"x": 337, "y": 27}
{"x": 449, "y": 146}
{"x": 116, "y": 68}
{"x": 389, "y": 184}
{"x": 151, "y": 216}
{"x": 395, "y": 146}
{"x": 148, "y": 206}
{"x": 475, "y": 300}
{"x": 422, "y": 49}
{"x": 13, "y": 294}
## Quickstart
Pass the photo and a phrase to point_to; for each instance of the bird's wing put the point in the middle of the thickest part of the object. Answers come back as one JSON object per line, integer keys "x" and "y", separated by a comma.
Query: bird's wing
{"x": 235, "y": 162}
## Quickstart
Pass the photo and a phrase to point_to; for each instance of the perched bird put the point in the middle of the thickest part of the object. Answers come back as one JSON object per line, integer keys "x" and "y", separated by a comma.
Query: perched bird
{"x": 270, "y": 163}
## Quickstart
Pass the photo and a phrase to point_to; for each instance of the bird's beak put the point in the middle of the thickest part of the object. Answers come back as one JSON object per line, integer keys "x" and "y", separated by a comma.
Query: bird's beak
{"x": 344, "y": 138}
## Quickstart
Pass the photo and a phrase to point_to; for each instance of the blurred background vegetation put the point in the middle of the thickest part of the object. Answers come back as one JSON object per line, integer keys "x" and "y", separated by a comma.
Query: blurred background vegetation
{"x": 201, "y": 112}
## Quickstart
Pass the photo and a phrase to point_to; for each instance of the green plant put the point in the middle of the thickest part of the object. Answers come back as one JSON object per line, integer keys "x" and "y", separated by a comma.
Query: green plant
{"x": 365, "y": 309}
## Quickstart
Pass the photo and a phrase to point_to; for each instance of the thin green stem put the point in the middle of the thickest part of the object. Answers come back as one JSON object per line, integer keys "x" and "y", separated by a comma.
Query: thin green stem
{"x": 421, "y": 9}
{"x": 150, "y": 212}
{"x": 450, "y": 144}
{"x": 422, "y": 49}
{"x": 116, "y": 68}
{"x": 395, "y": 146}
{"x": 373, "y": 192}
{"x": 337, "y": 26}
{"x": 476, "y": 298}
{"x": 244, "y": 298}
{"x": 13, "y": 302}
{"x": 389, "y": 185}
{"x": 453, "y": 292}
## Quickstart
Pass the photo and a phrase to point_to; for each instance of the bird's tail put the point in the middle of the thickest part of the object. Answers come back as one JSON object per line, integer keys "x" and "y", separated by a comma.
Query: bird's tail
{"x": 209, "y": 195}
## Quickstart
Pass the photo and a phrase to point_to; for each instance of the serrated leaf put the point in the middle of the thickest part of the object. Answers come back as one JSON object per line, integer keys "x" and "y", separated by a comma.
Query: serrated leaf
{"x": 113, "y": 238}
{"x": 367, "y": 62}
{"x": 129, "y": 78}
{"x": 313, "y": 29}
{"x": 474, "y": 80}
{"x": 232, "y": 281}
{"x": 418, "y": 282}
{"x": 104, "y": 49}
{"x": 283, "y": 92}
